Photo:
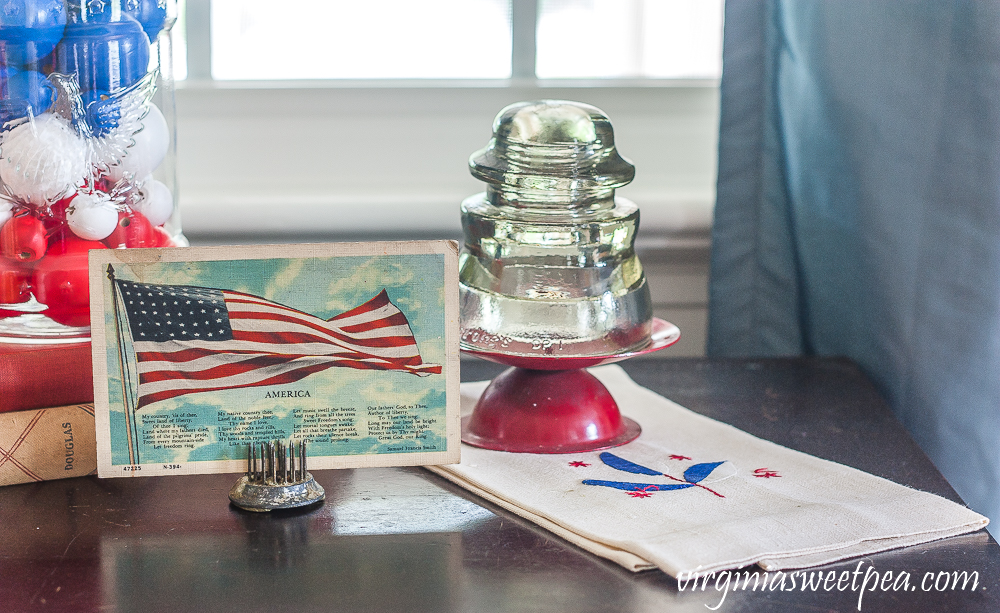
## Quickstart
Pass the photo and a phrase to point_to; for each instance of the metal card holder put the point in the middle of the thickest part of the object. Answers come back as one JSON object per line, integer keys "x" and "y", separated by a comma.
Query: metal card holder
{"x": 274, "y": 480}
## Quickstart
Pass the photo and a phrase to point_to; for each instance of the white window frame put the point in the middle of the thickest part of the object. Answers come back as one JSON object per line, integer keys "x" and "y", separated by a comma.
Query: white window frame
{"x": 342, "y": 159}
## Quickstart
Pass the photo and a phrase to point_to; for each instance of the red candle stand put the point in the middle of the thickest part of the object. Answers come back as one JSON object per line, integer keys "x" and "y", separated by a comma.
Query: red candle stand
{"x": 551, "y": 404}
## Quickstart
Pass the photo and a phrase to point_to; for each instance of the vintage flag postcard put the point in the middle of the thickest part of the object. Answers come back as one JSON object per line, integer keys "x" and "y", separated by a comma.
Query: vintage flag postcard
{"x": 349, "y": 347}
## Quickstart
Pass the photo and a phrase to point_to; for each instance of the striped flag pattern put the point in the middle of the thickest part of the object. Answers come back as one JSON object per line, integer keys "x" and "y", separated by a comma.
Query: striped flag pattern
{"x": 191, "y": 339}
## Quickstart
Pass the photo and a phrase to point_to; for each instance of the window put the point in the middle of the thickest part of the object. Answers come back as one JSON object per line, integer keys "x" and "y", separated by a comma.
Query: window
{"x": 345, "y": 118}
{"x": 375, "y": 39}
{"x": 459, "y": 39}
{"x": 660, "y": 39}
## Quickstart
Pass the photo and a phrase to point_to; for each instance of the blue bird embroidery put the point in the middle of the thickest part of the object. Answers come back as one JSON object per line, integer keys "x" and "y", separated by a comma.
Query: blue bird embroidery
{"x": 692, "y": 477}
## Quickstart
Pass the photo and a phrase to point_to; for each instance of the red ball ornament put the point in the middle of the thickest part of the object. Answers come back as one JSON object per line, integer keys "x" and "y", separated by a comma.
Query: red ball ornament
{"x": 59, "y": 209}
{"x": 64, "y": 244}
{"x": 61, "y": 280}
{"x": 23, "y": 238}
{"x": 133, "y": 230}
{"x": 54, "y": 216}
{"x": 75, "y": 317}
{"x": 104, "y": 184}
{"x": 15, "y": 282}
{"x": 162, "y": 238}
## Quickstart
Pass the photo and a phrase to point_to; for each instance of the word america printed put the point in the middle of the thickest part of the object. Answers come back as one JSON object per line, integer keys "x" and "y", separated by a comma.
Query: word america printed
{"x": 190, "y": 339}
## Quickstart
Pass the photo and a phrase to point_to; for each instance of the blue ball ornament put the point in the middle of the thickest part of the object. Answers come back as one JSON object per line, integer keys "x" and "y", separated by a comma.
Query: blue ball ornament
{"x": 29, "y": 31}
{"x": 152, "y": 14}
{"x": 105, "y": 57}
{"x": 24, "y": 90}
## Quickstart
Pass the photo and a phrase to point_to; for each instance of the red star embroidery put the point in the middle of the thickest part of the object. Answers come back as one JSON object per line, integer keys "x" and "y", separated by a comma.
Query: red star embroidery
{"x": 765, "y": 473}
{"x": 577, "y": 463}
{"x": 643, "y": 493}
{"x": 679, "y": 457}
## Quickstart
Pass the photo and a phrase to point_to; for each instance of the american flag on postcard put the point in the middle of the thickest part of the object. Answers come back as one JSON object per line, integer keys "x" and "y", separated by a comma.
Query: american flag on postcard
{"x": 191, "y": 339}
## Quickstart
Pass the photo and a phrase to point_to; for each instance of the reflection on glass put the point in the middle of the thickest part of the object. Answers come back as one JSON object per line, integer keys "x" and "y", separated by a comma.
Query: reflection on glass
{"x": 221, "y": 569}
{"x": 416, "y": 505}
{"x": 178, "y": 39}
{"x": 663, "y": 39}
{"x": 376, "y": 39}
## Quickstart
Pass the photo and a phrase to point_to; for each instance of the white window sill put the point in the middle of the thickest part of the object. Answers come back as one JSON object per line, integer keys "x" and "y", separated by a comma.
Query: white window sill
{"x": 390, "y": 158}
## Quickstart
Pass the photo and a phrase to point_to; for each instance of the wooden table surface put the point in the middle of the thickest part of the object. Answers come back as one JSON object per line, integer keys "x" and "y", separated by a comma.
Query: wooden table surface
{"x": 405, "y": 540}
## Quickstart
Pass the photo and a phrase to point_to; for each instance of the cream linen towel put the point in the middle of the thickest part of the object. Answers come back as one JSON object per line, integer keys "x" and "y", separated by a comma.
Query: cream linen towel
{"x": 693, "y": 495}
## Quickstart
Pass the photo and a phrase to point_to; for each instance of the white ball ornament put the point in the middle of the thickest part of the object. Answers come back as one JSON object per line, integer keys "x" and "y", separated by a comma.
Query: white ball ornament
{"x": 6, "y": 211}
{"x": 92, "y": 217}
{"x": 42, "y": 159}
{"x": 150, "y": 147}
{"x": 156, "y": 202}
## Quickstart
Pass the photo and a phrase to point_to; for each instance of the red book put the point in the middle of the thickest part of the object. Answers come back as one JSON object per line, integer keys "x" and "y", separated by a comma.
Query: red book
{"x": 39, "y": 376}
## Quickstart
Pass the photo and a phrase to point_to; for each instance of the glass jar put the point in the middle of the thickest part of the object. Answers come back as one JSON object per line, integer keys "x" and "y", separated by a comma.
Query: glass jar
{"x": 86, "y": 152}
{"x": 548, "y": 267}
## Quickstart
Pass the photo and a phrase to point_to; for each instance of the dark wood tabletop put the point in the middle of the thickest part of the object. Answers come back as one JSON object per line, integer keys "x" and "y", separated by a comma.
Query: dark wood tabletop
{"x": 406, "y": 540}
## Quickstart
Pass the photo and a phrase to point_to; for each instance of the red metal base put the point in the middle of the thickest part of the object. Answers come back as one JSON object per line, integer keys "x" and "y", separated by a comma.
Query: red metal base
{"x": 547, "y": 411}
{"x": 550, "y": 404}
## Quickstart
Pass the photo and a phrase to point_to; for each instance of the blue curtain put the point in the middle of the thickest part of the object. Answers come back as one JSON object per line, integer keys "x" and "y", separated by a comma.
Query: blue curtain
{"x": 858, "y": 208}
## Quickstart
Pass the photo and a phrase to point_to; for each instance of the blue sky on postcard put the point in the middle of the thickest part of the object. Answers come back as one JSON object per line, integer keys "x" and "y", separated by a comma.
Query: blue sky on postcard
{"x": 344, "y": 402}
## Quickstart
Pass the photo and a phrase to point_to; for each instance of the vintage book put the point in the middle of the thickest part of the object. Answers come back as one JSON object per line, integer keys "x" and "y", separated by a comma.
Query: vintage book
{"x": 45, "y": 444}
{"x": 38, "y": 376}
